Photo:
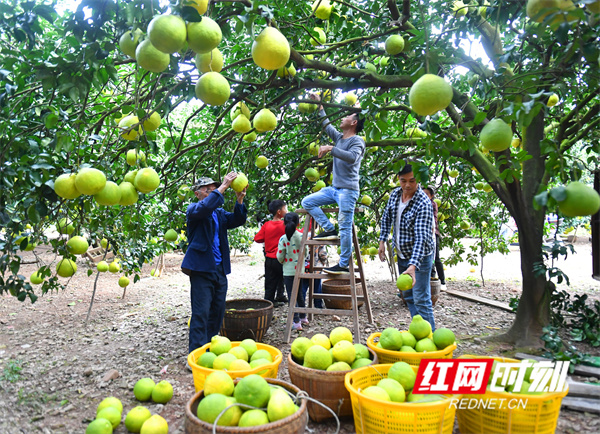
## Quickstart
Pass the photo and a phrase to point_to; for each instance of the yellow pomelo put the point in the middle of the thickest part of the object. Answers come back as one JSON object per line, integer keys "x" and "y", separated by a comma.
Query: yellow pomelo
{"x": 200, "y": 5}
{"x": 125, "y": 126}
{"x": 429, "y": 94}
{"x": 90, "y": 181}
{"x": 443, "y": 338}
{"x": 240, "y": 182}
{"x": 318, "y": 186}
{"x": 136, "y": 417}
{"x": 150, "y": 58}
{"x": 284, "y": 71}
{"x": 223, "y": 361}
{"x": 238, "y": 109}
{"x": 270, "y": 50}
{"x": 35, "y": 278}
{"x": 129, "y": 194}
{"x": 253, "y": 418}
{"x": 211, "y": 61}
{"x": 487, "y": 188}
{"x": 66, "y": 267}
{"x": 317, "y": 357}
{"x": 366, "y": 200}
{"x": 415, "y": 132}
{"x": 391, "y": 339}
{"x": 261, "y": 162}
{"x": 403, "y": 373}
{"x": 253, "y": 390}
{"x": 317, "y": 37}
{"x": 114, "y": 267}
{"x": 344, "y": 351}
{"x": 218, "y": 382}
{"x": 321, "y": 339}
{"x": 404, "y": 282}
{"x": 146, "y": 180}
{"x": 553, "y": 100}
{"x": 376, "y": 392}
{"x": 394, "y": 44}
{"x": 322, "y": 9}
{"x": 77, "y": 245}
{"x": 111, "y": 401}
{"x": 264, "y": 120}
{"x": 393, "y": 389}
{"x": 340, "y": 334}
{"x": 64, "y": 186}
{"x": 153, "y": 122}
{"x": 350, "y": 98}
{"x": 112, "y": 414}
{"x": 99, "y": 426}
{"x": 170, "y": 235}
{"x": 311, "y": 174}
{"x": 203, "y": 37}
{"x": 299, "y": 347}
{"x": 129, "y": 42}
{"x": 306, "y": 107}
{"x": 241, "y": 124}
{"x": 280, "y": 406}
{"x": 123, "y": 281}
{"x": 132, "y": 158}
{"x": 210, "y": 407}
{"x": 496, "y": 135}
{"x": 162, "y": 392}
{"x": 239, "y": 365}
{"x": 250, "y": 137}
{"x": 339, "y": 366}
{"x": 212, "y": 88}
{"x": 102, "y": 266}
{"x": 538, "y": 10}
{"x": 109, "y": 195}
{"x": 239, "y": 353}
{"x": 155, "y": 425}
{"x": 130, "y": 176}
{"x": 143, "y": 389}
{"x": 250, "y": 346}
{"x": 581, "y": 200}
{"x": 419, "y": 327}
{"x": 219, "y": 345}
{"x": 515, "y": 143}
{"x": 425, "y": 345}
{"x": 63, "y": 226}
{"x": 167, "y": 33}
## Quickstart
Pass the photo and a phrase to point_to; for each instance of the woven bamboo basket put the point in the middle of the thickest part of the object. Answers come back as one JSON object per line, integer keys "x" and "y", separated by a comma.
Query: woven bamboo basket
{"x": 340, "y": 286}
{"x": 326, "y": 387}
{"x": 296, "y": 423}
{"x": 240, "y": 323}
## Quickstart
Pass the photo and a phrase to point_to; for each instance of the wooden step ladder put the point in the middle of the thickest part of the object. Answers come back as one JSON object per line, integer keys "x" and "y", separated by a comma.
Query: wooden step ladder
{"x": 314, "y": 273}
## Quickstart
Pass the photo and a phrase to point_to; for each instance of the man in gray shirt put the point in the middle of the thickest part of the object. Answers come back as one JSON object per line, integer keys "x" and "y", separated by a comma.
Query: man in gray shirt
{"x": 348, "y": 151}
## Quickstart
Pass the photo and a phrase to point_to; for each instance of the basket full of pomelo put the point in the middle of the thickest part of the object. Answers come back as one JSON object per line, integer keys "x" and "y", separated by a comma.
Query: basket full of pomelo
{"x": 414, "y": 344}
{"x": 383, "y": 402}
{"x": 256, "y": 405}
{"x": 529, "y": 411}
{"x": 318, "y": 366}
{"x": 237, "y": 359}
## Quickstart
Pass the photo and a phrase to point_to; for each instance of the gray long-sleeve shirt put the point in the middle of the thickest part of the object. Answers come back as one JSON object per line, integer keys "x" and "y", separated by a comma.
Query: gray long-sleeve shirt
{"x": 347, "y": 156}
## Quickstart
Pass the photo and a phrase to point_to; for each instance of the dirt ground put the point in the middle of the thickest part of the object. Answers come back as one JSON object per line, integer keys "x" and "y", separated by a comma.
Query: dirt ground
{"x": 55, "y": 368}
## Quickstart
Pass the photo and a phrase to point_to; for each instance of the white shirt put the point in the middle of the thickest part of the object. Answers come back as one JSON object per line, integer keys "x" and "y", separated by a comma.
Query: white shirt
{"x": 401, "y": 206}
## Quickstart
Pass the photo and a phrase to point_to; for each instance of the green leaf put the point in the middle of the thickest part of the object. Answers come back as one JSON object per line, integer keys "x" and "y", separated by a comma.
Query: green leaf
{"x": 559, "y": 193}
{"x": 541, "y": 199}
{"x": 479, "y": 117}
{"x": 51, "y": 120}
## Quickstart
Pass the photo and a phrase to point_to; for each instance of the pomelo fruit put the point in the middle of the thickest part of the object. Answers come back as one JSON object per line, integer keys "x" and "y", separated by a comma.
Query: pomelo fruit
{"x": 580, "y": 200}
{"x": 312, "y": 174}
{"x": 261, "y": 354}
{"x": 391, "y": 339}
{"x": 322, "y": 9}
{"x": 143, "y": 389}
{"x": 350, "y": 98}
{"x": 376, "y": 392}
{"x": 259, "y": 362}
{"x": 250, "y": 137}
{"x": 253, "y": 418}
{"x": 155, "y": 424}
{"x": 210, "y": 407}
{"x": 170, "y": 235}
{"x": 241, "y": 124}
{"x": 416, "y": 133}
{"x": 317, "y": 37}
{"x": 340, "y": 334}
{"x": 261, "y": 162}
{"x": 515, "y": 143}
{"x": 339, "y": 366}
{"x": 109, "y": 195}
{"x": 362, "y": 351}
{"x": 318, "y": 186}
{"x": 162, "y": 392}
{"x": 553, "y": 100}
{"x": 465, "y": 225}
{"x": 123, "y": 281}
{"x": 130, "y": 176}
{"x": 150, "y": 58}
{"x": 344, "y": 351}
{"x": 300, "y": 346}
{"x": 129, "y": 194}
{"x": 136, "y": 417}
{"x": 239, "y": 109}
{"x": 218, "y": 382}
{"x": 133, "y": 156}
{"x": 90, "y": 181}
{"x": 430, "y": 94}
{"x": 250, "y": 346}
{"x": 479, "y": 185}
{"x": 425, "y": 345}
{"x": 366, "y": 200}
{"x": 306, "y": 107}
{"x": 114, "y": 267}
{"x": 211, "y": 61}
{"x": 146, "y": 180}
{"x": 286, "y": 71}
{"x": 252, "y": 390}
{"x": 125, "y": 126}
{"x": 496, "y": 135}
{"x": 403, "y": 373}
{"x": 206, "y": 360}
{"x": 394, "y": 44}
{"x": 320, "y": 339}
{"x": 66, "y": 267}
{"x": 264, "y": 120}
{"x": 443, "y": 338}
{"x": 223, "y": 361}
{"x": 393, "y": 389}
{"x": 111, "y": 401}
{"x": 99, "y": 426}
{"x": 129, "y": 41}
{"x": 167, "y": 33}
{"x": 63, "y": 226}
{"x": 359, "y": 363}
{"x": 280, "y": 406}
{"x": 35, "y": 278}
{"x": 151, "y": 124}
{"x": 239, "y": 365}
{"x": 407, "y": 349}
{"x": 239, "y": 353}
{"x": 112, "y": 414}
{"x": 219, "y": 344}
{"x": 200, "y": 5}
{"x": 212, "y": 88}
{"x": 487, "y": 188}
{"x": 538, "y": 10}
{"x": 317, "y": 357}
{"x": 64, "y": 186}
{"x": 419, "y": 327}
{"x": 270, "y": 49}
{"x": 77, "y": 245}
{"x": 453, "y": 173}
{"x": 240, "y": 182}
{"x": 204, "y": 36}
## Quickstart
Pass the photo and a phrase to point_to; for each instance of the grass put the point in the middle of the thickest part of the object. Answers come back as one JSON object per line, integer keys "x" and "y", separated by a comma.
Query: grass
{"x": 12, "y": 370}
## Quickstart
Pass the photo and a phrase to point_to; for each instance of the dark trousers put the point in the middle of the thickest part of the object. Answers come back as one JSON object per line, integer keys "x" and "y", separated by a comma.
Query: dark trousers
{"x": 316, "y": 290}
{"x": 301, "y": 299}
{"x": 208, "y": 294}
{"x": 273, "y": 279}
{"x": 439, "y": 267}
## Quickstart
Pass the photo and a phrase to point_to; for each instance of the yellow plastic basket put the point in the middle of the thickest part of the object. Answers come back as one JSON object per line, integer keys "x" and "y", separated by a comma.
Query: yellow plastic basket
{"x": 374, "y": 416}
{"x": 200, "y": 373}
{"x": 539, "y": 415}
{"x": 391, "y": 356}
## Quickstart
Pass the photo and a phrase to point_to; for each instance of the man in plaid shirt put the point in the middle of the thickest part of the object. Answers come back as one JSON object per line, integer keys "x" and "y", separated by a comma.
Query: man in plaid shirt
{"x": 410, "y": 213}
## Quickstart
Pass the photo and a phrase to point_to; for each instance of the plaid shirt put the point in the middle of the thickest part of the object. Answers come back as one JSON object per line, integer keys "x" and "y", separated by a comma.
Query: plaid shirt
{"x": 415, "y": 229}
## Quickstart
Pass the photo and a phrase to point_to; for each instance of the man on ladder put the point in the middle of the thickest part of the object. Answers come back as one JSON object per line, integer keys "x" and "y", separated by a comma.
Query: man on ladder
{"x": 348, "y": 151}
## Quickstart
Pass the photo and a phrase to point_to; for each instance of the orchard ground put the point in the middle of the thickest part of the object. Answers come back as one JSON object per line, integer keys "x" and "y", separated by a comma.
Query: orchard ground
{"x": 56, "y": 369}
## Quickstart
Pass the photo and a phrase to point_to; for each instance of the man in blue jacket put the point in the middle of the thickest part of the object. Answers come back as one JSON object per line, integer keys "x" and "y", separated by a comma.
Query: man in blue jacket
{"x": 207, "y": 258}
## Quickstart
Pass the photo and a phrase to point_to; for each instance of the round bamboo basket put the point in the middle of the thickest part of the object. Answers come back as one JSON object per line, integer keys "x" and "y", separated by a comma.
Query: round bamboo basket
{"x": 240, "y": 323}
{"x": 340, "y": 286}
{"x": 326, "y": 387}
{"x": 294, "y": 424}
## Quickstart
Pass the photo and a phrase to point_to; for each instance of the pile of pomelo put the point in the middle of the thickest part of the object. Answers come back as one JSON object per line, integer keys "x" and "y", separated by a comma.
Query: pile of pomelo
{"x": 333, "y": 353}
{"x": 252, "y": 401}
{"x": 139, "y": 419}
{"x": 418, "y": 338}
{"x": 222, "y": 355}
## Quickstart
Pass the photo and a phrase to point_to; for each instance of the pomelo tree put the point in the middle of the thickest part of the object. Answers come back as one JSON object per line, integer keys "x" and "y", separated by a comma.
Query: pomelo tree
{"x": 69, "y": 79}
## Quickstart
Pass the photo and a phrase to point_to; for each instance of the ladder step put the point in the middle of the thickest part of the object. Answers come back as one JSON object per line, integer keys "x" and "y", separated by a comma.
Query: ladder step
{"x": 317, "y": 311}
{"x": 338, "y": 296}
{"x": 327, "y": 276}
{"x": 322, "y": 242}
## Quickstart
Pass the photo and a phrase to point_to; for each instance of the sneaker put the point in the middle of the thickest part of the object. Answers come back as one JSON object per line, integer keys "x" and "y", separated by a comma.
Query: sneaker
{"x": 297, "y": 326}
{"x": 336, "y": 269}
{"x": 327, "y": 235}
{"x": 303, "y": 321}
{"x": 282, "y": 299}
{"x": 278, "y": 304}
